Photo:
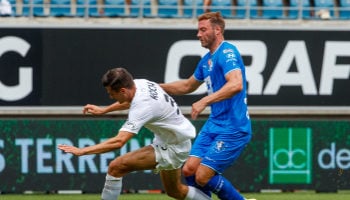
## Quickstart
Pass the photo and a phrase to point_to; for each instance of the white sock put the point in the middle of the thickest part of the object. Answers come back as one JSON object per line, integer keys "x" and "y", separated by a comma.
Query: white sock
{"x": 196, "y": 194}
{"x": 112, "y": 188}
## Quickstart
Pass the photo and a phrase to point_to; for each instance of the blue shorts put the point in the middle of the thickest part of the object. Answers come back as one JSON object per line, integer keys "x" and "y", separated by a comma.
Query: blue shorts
{"x": 219, "y": 150}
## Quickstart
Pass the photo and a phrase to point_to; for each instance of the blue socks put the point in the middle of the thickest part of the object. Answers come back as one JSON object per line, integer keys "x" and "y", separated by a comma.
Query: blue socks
{"x": 223, "y": 188}
{"x": 192, "y": 182}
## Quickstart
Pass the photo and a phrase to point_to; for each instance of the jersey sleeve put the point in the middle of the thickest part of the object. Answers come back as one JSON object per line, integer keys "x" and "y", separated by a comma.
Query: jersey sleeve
{"x": 230, "y": 59}
{"x": 137, "y": 118}
{"x": 198, "y": 73}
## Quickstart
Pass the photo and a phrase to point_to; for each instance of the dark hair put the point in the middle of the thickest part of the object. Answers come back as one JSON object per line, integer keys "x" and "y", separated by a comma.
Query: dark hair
{"x": 215, "y": 18}
{"x": 118, "y": 78}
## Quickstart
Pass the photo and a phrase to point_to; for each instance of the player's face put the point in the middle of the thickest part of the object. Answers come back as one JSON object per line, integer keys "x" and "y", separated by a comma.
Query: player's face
{"x": 118, "y": 96}
{"x": 206, "y": 33}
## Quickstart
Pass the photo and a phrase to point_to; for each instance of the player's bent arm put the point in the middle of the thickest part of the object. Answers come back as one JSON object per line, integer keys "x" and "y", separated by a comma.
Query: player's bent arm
{"x": 233, "y": 86}
{"x": 181, "y": 87}
{"x": 97, "y": 110}
{"x": 117, "y": 107}
{"x": 110, "y": 144}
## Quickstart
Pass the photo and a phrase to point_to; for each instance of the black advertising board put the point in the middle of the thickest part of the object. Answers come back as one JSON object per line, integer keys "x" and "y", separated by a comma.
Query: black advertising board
{"x": 21, "y": 67}
{"x": 63, "y": 66}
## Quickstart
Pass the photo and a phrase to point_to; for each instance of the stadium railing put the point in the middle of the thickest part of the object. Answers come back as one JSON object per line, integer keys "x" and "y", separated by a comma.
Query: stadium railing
{"x": 240, "y": 9}
{"x": 255, "y": 111}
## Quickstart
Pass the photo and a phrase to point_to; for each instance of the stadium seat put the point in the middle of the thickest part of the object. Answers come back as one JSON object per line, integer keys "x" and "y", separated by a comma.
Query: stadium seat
{"x": 60, "y": 8}
{"x": 36, "y": 8}
{"x": 242, "y": 8}
{"x": 26, "y": 8}
{"x": 223, "y": 6}
{"x": 273, "y": 9}
{"x": 114, "y": 8}
{"x": 344, "y": 13}
{"x": 324, "y": 5}
{"x": 295, "y": 9}
{"x": 140, "y": 5}
{"x": 93, "y": 10}
{"x": 193, "y": 8}
{"x": 41, "y": 8}
{"x": 86, "y": 7}
{"x": 13, "y": 7}
{"x": 168, "y": 8}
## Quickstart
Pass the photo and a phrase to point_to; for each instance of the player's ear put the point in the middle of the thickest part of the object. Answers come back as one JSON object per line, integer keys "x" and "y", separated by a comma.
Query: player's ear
{"x": 217, "y": 30}
{"x": 122, "y": 90}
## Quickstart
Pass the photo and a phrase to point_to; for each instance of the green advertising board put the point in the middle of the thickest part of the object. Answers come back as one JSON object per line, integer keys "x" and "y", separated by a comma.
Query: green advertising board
{"x": 283, "y": 154}
{"x": 290, "y": 155}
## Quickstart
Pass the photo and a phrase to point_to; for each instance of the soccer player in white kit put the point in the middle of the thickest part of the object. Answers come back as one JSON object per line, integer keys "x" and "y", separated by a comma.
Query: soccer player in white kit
{"x": 152, "y": 108}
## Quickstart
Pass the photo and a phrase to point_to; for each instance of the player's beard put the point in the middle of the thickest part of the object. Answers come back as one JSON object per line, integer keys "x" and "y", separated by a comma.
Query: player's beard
{"x": 207, "y": 42}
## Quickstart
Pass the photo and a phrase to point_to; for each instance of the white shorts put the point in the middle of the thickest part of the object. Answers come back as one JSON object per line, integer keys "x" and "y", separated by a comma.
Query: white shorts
{"x": 171, "y": 156}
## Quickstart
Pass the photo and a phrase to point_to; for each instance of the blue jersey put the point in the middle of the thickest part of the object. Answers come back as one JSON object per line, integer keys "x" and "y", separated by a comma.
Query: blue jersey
{"x": 229, "y": 115}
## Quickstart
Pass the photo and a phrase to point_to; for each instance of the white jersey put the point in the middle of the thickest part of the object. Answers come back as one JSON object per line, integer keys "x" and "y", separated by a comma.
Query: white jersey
{"x": 154, "y": 109}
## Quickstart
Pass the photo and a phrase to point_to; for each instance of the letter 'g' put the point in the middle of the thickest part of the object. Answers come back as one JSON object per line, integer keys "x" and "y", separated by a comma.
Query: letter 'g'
{"x": 25, "y": 85}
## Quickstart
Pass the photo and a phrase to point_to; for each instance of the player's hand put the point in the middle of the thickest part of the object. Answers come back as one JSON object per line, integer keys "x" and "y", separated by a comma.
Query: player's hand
{"x": 93, "y": 109}
{"x": 197, "y": 108}
{"x": 70, "y": 149}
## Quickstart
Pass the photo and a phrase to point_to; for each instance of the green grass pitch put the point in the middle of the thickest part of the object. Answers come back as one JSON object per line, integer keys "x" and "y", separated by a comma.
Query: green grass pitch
{"x": 258, "y": 196}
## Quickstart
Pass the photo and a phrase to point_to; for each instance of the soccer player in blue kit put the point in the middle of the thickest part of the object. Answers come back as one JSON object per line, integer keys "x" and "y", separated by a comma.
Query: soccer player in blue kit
{"x": 228, "y": 128}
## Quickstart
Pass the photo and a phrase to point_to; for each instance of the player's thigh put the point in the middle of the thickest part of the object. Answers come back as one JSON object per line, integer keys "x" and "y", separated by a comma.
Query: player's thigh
{"x": 141, "y": 159}
{"x": 201, "y": 144}
{"x": 224, "y": 151}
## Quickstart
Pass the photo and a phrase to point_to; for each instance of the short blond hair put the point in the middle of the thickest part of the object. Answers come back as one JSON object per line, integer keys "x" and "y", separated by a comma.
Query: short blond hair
{"x": 215, "y": 18}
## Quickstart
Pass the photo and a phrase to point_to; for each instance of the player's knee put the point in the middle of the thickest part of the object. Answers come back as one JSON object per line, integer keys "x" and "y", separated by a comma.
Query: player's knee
{"x": 188, "y": 170}
{"x": 117, "y": 167}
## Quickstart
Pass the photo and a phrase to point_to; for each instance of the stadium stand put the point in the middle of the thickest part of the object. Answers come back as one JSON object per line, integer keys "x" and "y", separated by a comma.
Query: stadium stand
{"x": 235, "y": 9}
{"x": 300, "y": 9}
{"x": 192, "y": 8}
{"x": 247, "y": 9}
{"x": 324, "y": 9}
{"x": 223, "y": 6}
{"x": 94, "y": 9}
{"x": 240, "y": 9}
{"x": 26, "y": 8}
{"x": 141, "y": 8}
{"x": 82, "y": 8}
{"x": 13, "y": 7}
{"x": 344, "y": 9}
{"x": 119, "y": 8}
{"x": 114, "y": 8}
{"x": 273, "y": 9}
{"x": 39, "y": 6}
{"x": 61, "y": 8}
{"x": 168, "y": 8}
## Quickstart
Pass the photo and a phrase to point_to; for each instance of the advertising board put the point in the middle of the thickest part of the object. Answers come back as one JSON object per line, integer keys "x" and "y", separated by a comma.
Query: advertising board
{"x": 63, "y": 66}
{"x": 283, "y": 154}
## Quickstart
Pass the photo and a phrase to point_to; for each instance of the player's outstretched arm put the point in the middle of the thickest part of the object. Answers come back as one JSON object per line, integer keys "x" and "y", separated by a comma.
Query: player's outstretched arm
{"x": 98, "y": 110}
{"x": 110, "y": 144}
{"x": 71, "y": 149}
